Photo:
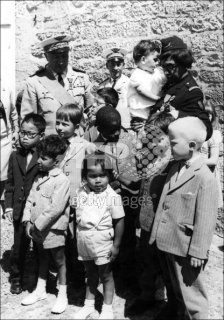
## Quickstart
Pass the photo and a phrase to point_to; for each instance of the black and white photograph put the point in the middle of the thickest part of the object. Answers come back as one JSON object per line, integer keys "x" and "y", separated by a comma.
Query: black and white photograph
{"x": 112, "y": 119}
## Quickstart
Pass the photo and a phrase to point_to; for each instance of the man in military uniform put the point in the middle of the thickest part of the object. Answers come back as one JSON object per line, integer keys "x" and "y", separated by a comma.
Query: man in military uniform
{"x": 55, "y": 84}
{"x": 118, "y": 81}
{"x": 181, "y": 91}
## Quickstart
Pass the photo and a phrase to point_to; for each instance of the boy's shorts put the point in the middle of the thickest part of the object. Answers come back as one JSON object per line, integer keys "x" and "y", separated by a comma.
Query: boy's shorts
{"x": 54, "y": 239}
{"x": 95, "y": 245}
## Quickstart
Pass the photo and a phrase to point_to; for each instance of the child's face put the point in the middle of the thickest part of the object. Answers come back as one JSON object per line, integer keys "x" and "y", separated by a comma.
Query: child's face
{"x": 150, "y": 62}
{"x": 115, "y": 67}
{"x": 179, "y": 146}
{"x": 97, "y": 105}
{"x": 45, "y": 163}
{"x": 65, "y": 129}
{"x": 29, "y": 135}
{"x": 112, "y": 133}
{"x": 97, "y": 179}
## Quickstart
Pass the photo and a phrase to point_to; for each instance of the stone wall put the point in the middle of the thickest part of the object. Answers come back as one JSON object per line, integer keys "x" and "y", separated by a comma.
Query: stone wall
{"x": 98, "y": 25}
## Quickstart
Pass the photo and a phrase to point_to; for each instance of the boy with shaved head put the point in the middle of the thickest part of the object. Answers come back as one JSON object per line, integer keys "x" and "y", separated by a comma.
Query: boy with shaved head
{"x": 185, "y": 221}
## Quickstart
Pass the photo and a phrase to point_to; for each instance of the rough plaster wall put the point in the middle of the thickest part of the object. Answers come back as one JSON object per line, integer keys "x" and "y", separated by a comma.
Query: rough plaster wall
{"x": 98, "y": 25}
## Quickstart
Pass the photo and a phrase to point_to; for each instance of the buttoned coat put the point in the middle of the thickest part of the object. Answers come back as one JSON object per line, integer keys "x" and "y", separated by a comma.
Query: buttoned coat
{"x": 19, "y": 181}
{"x": 71, "y": 164}
{"x": 47, "y": 205}
{"x": 41, "y": 94}
{"x": 186, "y": 216}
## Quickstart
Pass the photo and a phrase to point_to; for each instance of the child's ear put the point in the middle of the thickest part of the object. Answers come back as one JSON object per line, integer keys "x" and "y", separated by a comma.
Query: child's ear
{"x": 142, "y": 60}
{"x": 42, "y": 135}
{"x": 192, "y": 145}
{"x": 56, "y": 162}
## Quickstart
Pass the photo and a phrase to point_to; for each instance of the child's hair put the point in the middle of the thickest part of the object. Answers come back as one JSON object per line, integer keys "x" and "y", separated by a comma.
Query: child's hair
{"x": 162, "y": 120}
{"x": 95, "y": 158}
{"x": 191, "y": 128}
{"x": 52, "y": 146}
{"x": 213, "y": 116}
{"x": 144, "y": 48}
{"x": 37, "y": 120}
{"x": 70, "y": 112}
{"x": 183, "y": 57}
{"x": 107, "y": 116}
{"x": 109, "y": 95}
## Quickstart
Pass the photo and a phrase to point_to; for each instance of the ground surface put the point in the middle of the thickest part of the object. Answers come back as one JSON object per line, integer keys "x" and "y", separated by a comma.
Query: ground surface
{"x": 11, "y": 307}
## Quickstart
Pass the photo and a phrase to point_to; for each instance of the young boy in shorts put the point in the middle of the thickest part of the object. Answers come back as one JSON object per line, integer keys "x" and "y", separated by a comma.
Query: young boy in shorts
{"x": 185, "y": 221}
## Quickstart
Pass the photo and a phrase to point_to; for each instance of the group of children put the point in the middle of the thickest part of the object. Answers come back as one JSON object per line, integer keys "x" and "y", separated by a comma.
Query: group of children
{"x": 66, "y": 188}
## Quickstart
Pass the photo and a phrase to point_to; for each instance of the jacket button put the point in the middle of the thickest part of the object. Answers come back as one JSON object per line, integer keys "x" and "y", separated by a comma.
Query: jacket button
{"x": 34, "y": 204}
{"x": 22, "y": 188}
{"x": 67, "y": 173}
{"x": 20, "y": 199}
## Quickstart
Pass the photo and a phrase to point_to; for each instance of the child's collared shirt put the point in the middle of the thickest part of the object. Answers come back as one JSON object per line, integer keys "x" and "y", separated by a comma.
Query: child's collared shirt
{"x": 97, "y": 210}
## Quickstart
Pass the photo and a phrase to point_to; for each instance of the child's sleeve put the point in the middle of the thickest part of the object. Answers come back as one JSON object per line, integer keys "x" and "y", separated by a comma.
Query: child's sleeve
{"x": 59, "y": 200}
{"x": 116, "y": 209}
{"x": 205, "y": 218}
{"x": 28, "y": 205}
{"x": 9, "y": 188}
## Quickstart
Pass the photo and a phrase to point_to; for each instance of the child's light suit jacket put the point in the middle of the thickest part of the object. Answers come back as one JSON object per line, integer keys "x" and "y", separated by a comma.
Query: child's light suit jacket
{"x": 186, "y": 216}
{"x": 47, "y": 205}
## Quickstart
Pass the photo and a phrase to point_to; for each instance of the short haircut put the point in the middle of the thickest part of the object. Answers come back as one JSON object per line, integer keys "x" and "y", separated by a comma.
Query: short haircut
{"x": 95, "y": 158}
{"x": 183, "y": 57}
{"x": 162, "y": 120}
{"x": 190, "y": 128}
{"x": 70, "y": 112}
{"x": 52, "y": 146}
{"x": 109, "y": 95}
{"x": 37, "y": 120}
{"x": 107, "y": 116}
{"x": 144, "y": 48}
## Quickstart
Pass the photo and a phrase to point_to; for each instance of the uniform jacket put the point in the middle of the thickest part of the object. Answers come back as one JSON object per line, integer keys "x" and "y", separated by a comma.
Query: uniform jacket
{"x": 47, "y": 205}
{"x": 19, "y": 181}
{"x": 39, "y": 99}
{"x": 184, "y": 95}
{"x": 186, "y": 216}
{"x": 187, "y": 97}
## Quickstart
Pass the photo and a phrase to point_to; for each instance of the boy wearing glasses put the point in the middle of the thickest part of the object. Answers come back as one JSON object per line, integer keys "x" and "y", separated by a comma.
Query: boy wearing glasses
{"x": 21, "y": 173}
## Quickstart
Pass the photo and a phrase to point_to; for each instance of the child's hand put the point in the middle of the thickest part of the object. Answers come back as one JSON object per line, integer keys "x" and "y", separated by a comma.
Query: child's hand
{"x": 195, "y": 262}
{"x": 29, "y": 229}
{"x": 36, "y": 235}
{"x": 9, "y": 214}
{"x": 113, "y": 253}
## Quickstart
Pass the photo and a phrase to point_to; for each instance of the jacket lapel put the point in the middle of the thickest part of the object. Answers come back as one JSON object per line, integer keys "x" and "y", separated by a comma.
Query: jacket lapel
{"x": 33, "y": 161}
{"x": 21, "y": 159}
{"x": 187, "y": 175}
